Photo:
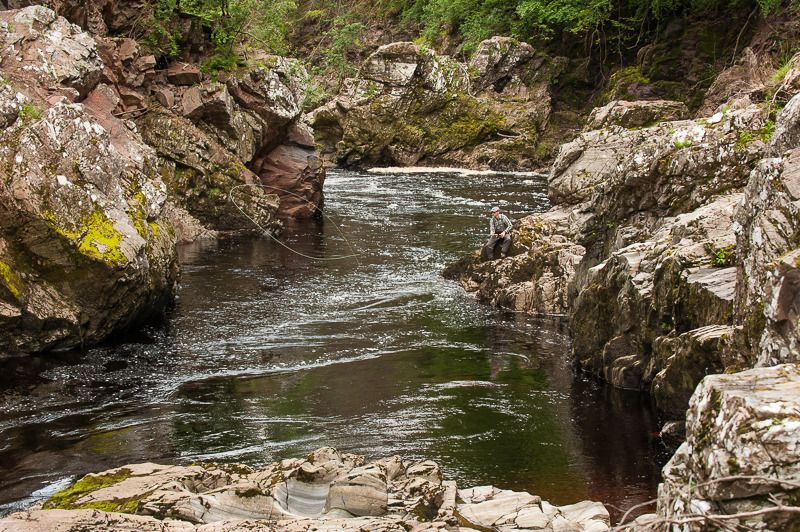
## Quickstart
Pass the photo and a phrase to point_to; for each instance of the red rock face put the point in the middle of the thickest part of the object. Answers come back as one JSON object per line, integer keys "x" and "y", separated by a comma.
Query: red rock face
{"x": 296, "y": 175}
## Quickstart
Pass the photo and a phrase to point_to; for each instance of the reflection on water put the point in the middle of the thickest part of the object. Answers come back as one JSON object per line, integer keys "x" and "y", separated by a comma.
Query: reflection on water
{"x": 269, "y": 355}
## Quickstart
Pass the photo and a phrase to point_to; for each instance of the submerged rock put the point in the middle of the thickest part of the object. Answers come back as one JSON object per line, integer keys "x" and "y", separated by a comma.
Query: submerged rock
{"x": 327, "y": 490}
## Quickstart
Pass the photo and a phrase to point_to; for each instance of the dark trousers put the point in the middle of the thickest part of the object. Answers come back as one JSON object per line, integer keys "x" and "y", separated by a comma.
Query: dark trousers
{"x": 505, "y": 244}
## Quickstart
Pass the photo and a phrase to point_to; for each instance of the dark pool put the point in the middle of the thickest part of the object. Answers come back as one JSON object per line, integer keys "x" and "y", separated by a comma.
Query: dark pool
{"x": 269, "y": 354}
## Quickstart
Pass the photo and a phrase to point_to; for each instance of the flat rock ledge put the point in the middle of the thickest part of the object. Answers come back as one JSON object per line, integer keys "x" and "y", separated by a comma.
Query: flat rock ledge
{"x": 327, "y": 490}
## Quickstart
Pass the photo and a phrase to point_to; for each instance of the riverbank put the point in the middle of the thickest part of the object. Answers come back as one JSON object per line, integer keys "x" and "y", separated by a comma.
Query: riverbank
{"x": 325, "y": 491}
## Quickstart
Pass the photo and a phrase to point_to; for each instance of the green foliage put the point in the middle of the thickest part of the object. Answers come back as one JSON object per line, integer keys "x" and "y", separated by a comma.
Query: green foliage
{"x": 474, "y": 20}
{"x": 28, "y": 113}
{"x": 233, "y": 24}
{"x": 221, "y": 62}
{"x": 722, "y": 257}
{"x": 157, "y": 35}
{"x": 781, "y": 71}
{"x": 682, "y": 143}
{"x": 766, "y": 132}
{"x": 575, "y": 16}
{"x": 243, "y": 22}
{"x": 344, "y": 39}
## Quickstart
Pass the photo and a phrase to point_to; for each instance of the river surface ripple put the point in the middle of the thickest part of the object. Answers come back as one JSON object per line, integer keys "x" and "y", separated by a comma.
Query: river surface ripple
{"x": 269, "y": 355}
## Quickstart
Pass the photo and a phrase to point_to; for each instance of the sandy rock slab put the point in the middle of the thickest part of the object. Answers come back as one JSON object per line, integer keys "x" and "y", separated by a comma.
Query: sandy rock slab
{"x": 327, "y": 490}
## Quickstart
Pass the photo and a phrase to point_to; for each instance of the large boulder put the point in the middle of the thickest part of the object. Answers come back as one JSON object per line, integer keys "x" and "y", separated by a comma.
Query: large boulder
{"x": 85, "y": 247}
{"x": 741, "y": 445}
{"x": 82, "y": 218}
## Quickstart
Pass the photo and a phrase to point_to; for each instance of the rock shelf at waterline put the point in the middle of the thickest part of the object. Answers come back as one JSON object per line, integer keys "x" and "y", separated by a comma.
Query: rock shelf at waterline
{"x": 327, "y": 490}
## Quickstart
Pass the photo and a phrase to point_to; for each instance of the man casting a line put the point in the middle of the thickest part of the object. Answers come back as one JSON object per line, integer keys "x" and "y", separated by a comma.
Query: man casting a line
{"x": 500, "y": 228}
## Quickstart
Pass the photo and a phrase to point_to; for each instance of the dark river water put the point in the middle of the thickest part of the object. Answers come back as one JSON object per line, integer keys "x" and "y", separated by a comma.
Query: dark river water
{"x": 269, "y": 355}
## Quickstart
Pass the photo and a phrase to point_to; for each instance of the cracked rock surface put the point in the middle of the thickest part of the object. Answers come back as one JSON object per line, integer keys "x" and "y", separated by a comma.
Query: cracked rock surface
{"x": 327, "y": 490}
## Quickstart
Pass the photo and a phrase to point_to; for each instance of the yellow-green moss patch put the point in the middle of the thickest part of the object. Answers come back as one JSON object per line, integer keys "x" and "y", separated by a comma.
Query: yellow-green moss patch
{"x": 11, "y": 280}
{"x": 95, "y": 235}
{"x": 100, "y": 239}
{"x": 67, "y": 499}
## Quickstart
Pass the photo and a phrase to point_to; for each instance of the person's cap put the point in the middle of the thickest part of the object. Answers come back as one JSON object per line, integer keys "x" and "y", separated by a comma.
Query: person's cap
{"x": 495, "y": 209}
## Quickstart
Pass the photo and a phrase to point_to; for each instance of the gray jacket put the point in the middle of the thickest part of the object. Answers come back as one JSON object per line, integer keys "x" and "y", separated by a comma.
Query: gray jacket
{"x": 500, "y": 224}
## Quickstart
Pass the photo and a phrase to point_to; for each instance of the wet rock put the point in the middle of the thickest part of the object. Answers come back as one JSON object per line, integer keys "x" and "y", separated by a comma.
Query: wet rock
{"x": 673, "y": 433}
{"x": 327, "y": 490}
{"x": 635, "y": 114}
{"x": 741, "y": 442}
{"x": 43, "y": 50}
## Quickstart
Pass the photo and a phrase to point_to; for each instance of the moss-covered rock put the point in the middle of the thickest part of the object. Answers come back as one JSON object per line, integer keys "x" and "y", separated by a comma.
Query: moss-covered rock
{"x": 411, "y": 106}
{"x": 81, "y": 211}
{"x": 201, "y": 174}
{"x": 67, "y": 499}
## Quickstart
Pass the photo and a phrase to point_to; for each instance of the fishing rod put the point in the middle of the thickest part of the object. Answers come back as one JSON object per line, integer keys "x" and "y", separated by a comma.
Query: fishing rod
{"x": 354, "y": 255}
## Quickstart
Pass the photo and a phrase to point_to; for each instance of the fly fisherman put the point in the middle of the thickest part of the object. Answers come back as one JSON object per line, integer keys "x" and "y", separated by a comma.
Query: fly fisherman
{"x": 500, "y": 228}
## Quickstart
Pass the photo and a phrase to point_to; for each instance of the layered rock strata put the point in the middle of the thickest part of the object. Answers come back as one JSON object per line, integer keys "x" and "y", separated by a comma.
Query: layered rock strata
{"x": 738, "y": 467}
{"x": 327, "y": 490}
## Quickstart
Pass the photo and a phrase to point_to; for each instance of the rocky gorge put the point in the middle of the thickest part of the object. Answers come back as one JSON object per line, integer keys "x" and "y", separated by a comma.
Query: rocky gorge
{"x": 672, "y": 248}
{"x": 109, "y": 162}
